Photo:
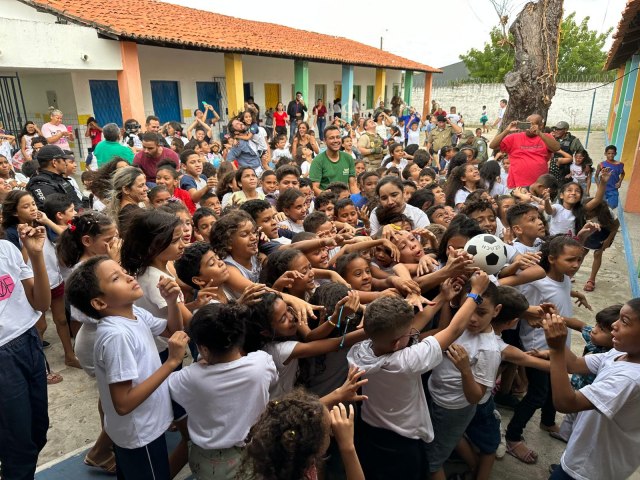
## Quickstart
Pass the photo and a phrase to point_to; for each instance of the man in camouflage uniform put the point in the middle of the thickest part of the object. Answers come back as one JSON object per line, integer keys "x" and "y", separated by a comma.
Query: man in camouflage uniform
{"x": 441, "y": 135}
{"x": 370, "y": 145}
{"x": 478, "y": 143}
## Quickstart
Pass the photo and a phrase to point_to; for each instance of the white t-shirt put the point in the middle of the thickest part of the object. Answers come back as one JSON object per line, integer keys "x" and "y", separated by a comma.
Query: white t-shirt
{"x": 445, "y": 382}
{"x": 461, "y": 196}
{"x": 223, "y": 400}
{"x": 304, "y": 168}
{"x": 417, "y": 216}
{"x": 382, "y": 131}
{"x": 413, "y": 137}
{"x": 604, "y": 442}
{"x": 280, "y": 152}
{"x": 578, "y": 172}
{"x": 522, "y": 248}
{"x": 562, "y": 221}
{"x": 280, "y": 352}
{"x": 125, "y": 350}
{"x": 541, "y": 291}
{"x": 16, "y": 313}
{"x": 396, "y": 397}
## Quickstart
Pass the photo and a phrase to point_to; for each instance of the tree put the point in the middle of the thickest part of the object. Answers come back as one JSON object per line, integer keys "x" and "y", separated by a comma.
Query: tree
{"x": 581, "y": 52}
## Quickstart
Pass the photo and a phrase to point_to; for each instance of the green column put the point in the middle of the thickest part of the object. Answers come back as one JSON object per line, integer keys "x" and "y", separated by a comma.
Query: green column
{"x": 301, "y": 80}
{"x": 623, "y": 91}
{"x": 408, "y": 86}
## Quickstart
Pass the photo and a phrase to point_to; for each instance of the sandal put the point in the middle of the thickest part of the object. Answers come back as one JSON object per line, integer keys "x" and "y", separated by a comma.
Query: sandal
{"x": 109, "y": 465}
{"x": 53, "y": 378}
{"x": 520, "y": 451}
{"x": 590, "y": 286}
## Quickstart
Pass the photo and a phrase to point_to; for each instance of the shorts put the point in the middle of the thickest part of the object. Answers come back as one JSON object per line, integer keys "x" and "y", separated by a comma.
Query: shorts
{"x": 58, "y": 291}
{"x": 612, "y": 197}
{"x": 178, "y": 410}
{"x": 484, "y": 429}
{"x": 448, "y": 428}
{"x": 216, "y": 464}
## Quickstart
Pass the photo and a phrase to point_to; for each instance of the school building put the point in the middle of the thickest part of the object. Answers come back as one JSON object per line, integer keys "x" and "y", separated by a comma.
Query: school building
{"x": 122, "y": 59}
{"x": 623, "y": 126}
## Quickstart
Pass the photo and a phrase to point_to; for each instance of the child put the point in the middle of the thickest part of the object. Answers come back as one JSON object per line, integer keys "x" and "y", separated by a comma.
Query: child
{"x": 561, "y": 259}
{"x": 291, "y": 202}
{"x": 484, "y": 118}
{"x": 581, "y": 169}
{"x": 304, "y": 160}
{"x": 614, "y": 181}
{"x": 607, "y": 409}
{"x": 247, "y": 181}
{"x": 167, "y": 176}
{"x": 347, "y": 147}
{"x": 567, "y": 216}
{"x": 203, "y": 220}
{"x": 326, "y": 203}
{"x": 598, "y": 339}
{"x": 427, "y": 177}
{"x": 131, "y": 379}
{"x": 216, "y": 156}
{"x": 395, "y": 418}
{"x": 413, "y": 134}
{"x": 279, "y": 148}
{"x": 158, "y": 196}
{"x": 211, "y": 200}
{"x": 526, "y": 226}
{"x": 346, "y": 212}
{"x": 463, "y": 180}
{"x": 397, "y": 157}
{"x": 28, "y": 293}
{"x": 600, "y": 240}
{"x": 193, "y": 181}
{"x": 367, "y": 182}
{"x": 220, "y": 409}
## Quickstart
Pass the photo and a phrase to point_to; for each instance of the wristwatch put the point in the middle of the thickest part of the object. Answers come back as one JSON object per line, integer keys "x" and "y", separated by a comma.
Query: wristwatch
{"x": 475, "y": 297}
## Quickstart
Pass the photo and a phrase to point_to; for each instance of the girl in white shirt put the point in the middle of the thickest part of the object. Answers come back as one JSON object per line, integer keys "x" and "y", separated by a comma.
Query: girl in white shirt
{"x": 463, "y": 180}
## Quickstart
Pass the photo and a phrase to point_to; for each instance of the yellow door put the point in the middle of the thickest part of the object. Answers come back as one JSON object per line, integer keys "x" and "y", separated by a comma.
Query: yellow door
{"x": 337, "y": 90}
{"x": 271, "y": 95}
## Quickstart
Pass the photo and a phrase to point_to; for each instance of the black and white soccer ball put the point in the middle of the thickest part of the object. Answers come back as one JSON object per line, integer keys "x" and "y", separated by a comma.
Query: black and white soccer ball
{"x": 488, "y": 251}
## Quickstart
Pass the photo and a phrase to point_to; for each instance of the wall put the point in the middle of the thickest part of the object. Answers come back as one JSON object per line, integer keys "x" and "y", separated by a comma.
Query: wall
{"x": 572, "y": 107}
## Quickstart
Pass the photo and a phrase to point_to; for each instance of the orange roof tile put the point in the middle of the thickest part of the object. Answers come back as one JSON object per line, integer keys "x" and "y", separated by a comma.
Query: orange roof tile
{"x": 626, "y": 40}
{"x": 158, "y": 23}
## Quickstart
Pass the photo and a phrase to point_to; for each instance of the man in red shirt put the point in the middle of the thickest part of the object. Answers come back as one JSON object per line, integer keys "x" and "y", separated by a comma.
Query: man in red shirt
{"x": 148, "y": 158}
{"x": 529, "y": 151}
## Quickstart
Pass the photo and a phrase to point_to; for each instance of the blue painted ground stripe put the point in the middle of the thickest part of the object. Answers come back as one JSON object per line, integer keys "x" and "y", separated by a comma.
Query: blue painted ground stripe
{"x": 628, "y": 254}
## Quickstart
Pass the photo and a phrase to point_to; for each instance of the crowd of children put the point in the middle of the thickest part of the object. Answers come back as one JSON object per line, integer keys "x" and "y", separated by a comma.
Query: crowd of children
{"x": 318, "y": 325}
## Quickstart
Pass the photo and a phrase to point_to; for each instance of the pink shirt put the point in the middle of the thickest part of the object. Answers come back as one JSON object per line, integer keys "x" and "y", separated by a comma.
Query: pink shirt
{"x": 148, "y": 164}
{"x": 49, "y": 130}
{"x": 529, "y": 157}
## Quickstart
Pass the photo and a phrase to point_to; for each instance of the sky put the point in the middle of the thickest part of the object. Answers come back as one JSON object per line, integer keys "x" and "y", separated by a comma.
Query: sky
{"x": 464, "y": 24}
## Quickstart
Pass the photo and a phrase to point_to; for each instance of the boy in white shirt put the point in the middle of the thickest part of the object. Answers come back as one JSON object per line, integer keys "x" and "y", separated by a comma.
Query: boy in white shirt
{"x": 131, "y": 379}
{"x": 395, "y": 418}
{"x": 606, "y": 434}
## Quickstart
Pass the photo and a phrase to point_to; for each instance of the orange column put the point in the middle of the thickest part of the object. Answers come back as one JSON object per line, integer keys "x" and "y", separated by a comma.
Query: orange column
{"x": 130, "y": 83}
{"x": 426, "y": 107}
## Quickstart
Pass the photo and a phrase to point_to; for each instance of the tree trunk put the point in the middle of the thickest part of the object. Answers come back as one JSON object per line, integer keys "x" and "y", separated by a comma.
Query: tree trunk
{"x": 532, "y": 82}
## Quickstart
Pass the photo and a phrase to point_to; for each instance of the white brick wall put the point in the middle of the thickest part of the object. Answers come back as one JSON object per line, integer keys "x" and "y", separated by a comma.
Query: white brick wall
{"x": 573, "y": 107}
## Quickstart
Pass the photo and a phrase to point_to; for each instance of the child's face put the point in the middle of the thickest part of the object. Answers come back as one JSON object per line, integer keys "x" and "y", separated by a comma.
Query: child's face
{"x": 601, "y": 337}
{"x": 410, "y": 248}
{"x": 529, "y": 226}
{"x": 326, "y": 229}
{"x": 187, "y": 226}
{"x": 249, "y": 180}
{"x": 358, "y": 275}
{"x": 215, "y": 148}
{"x": 283, "y": 322}
{"x": 164, "y": 178}
{"x": 506, "y": 163}
{"x": 297, "y": 210}
{"x": 193, "y": 165}
{"x": 71, "y": 166}
{"x": 306, "y": 283}
{"x": 568, "y": 261}
{"x": 506, "y": 204}
{"x": 205, "y": 147}
{"x": 408, "y": 191}
{"x": 204, "y": 226}
{"x": 244, "y": 242}
{"x": 398, "y": 153}
{"x": 175, "y": 248}
{"x": 62, "y": 218}
{"x": 626, "y": 331}
{"x": 100, "y": 244}
{"x": 578, "y": 158}
{"x": 414, "y": 126}
{"x": 319, "y": 258}
{"x": 414, "y": 172}
{"x": 348, "y": 214}
{"x": 213, "y": 271}
{"x": 266, "y": 220}
{"x": 347, "y": 143}
{"x": 269, "y": 184}
{"x": 441, "y": 217}
{"x": 439, "y": 197}
{"x": 457, "y": 242}
{"x": 213, "y": 203}
{"x": 328, "y": 210}
{"x": 481, "y": 317}
{"x": 5, "y": 167}
{"x": 281, "y": 143}
{"x": 160, "y": 199}
{"x": 26, "y": 210}
{"x": 571, "y": 195}
{"x": 369, "y": 186}
{"x": 610, "y": 154}
{"x": 287, "y": 182}
{"x": 425, "y": 180}
{"x": 382, "y": 256}
{"x": 486, "y": 219}
{"x": 118, "y": 288}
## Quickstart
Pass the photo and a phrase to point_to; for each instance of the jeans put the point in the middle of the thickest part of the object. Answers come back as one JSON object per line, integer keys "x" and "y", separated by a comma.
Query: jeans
{"x": 560, "y": 474}
{"x": 24, "y": 419}
{"x": 322, "y": 122}
{"x": 538, "y": 396}
{"x": 293, "y": 128}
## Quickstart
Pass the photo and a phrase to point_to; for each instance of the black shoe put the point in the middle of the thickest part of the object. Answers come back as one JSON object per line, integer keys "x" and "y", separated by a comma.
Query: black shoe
{"x": 45, "y": 344}
{"x": 506, "y": 400}
{"x": 553, "y": 467}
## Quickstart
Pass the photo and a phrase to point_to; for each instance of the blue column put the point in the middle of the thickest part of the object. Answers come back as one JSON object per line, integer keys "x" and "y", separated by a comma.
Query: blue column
{"x": 347, "y": 92}
{"x": 626, "y": 103}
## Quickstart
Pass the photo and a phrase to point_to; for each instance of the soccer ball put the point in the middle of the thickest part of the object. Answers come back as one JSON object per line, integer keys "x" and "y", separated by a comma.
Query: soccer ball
{"x": 488, "y": 251}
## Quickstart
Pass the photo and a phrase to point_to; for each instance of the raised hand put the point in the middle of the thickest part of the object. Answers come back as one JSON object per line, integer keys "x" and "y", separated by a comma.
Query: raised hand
{"x": 32, "y": 238}
{"x": 169, "y": 289}
{"x": 555, "y": 331}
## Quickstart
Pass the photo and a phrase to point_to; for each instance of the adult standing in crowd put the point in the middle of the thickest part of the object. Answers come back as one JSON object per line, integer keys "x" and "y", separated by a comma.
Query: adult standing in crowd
{"x": 56, "y": 132}
{"x": 111, "y": 147}
{"x": 320, "y": 113}
{"x": 529, "y": 151}
{"x": 468, "y": 139}
{"x": 503, "y": 107}
{"x": 281, "y": 119}
{"x": 295, "y": 111}
{"x": 560, "y": 165}
{"x": 52, "y": 161}
{"x": 442, "y": 135}
{"x": 355, "y": 109}
{"x": 151, "y": 154}
{"x": 370, "y": 145}
{"x": 333, "y": 165}
{"x": 242, "y": 152}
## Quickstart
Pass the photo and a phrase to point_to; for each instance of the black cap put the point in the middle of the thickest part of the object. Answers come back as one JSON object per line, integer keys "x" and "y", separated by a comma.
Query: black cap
{"x": 441, "y": 118}
{"x": 49, "y": 152}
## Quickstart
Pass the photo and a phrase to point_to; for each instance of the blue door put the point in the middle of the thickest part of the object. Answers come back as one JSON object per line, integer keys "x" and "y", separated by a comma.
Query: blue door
{"x": 105, "y": 98}
{"x": 166, "y": 101}
{"x": 208, "y": 92}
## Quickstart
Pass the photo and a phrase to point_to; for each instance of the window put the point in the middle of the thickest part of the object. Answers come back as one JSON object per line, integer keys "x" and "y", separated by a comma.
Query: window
{"x": 370, "y": 94}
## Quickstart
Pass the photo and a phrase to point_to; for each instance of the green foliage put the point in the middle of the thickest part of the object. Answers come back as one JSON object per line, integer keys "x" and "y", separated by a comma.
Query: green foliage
{"x": 580, "y": 53}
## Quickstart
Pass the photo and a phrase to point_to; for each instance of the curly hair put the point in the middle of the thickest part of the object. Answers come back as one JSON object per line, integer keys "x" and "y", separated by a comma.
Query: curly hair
{"x": 286, "y": 440}
{"x": 70, "y": 247}
{"x": 188, "y": 265}
{"x": 218, "y": 327}
{"x": 259, "y": 321}
{"x": 225, "y": 228}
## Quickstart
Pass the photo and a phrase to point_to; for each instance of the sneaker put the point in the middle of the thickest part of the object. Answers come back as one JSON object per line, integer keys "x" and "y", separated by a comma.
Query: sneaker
{"x": 502, "y": 448}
